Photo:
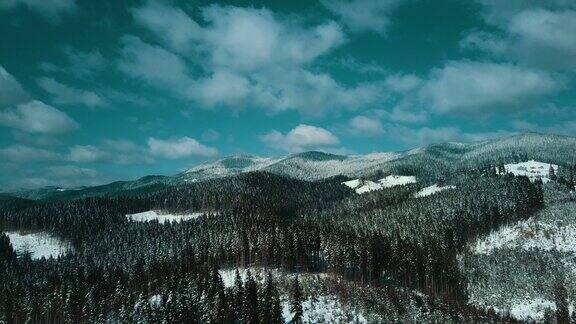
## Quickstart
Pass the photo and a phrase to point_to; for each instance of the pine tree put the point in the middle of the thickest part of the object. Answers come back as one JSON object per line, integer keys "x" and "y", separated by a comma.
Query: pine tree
{"x": 250, "y": 303}
{"x": 296, "y": 301}
{"x": 561, "y": 299}
{"x": 270, "y": 309}
{"x": 238, "y": 296}
{"x": 552, "y": 174}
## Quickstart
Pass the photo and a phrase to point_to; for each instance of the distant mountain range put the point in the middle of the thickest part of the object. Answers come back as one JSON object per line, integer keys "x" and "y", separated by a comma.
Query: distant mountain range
{"x": 427, "y": 163}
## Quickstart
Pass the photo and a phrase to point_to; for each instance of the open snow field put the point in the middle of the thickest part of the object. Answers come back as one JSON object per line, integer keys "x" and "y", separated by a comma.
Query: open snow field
{"x": 514, "y": 268}
{"x": 532, "y": 169}
{"x": 39, "y": 245}
{"x": 432, "y": 190}
{"x": 153, "y": 215}
{"x": 363, "y": 186}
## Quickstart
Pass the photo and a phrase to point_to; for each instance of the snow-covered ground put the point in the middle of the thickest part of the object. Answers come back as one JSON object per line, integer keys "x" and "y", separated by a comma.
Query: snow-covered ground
{"x": 162, "y": 218}
{"x": 513, "y": 269}
{"x": 532, "y": 169}
{"x": 529, "y": 235}
{"x": 320, "y": 309}
{"x": 396, "y": 180}
{"x": 39, "y": 245}
{"x": 363, "y": 186}
{"x": 323, "y": 309}
{"x": 432, "y": 190}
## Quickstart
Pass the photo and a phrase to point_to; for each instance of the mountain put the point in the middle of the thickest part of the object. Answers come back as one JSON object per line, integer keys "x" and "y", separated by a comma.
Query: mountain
{"x": 426, "y": 163}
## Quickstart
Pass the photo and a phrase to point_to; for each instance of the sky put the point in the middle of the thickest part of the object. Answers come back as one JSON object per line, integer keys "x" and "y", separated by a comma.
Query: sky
{"x": 97, "y": 91}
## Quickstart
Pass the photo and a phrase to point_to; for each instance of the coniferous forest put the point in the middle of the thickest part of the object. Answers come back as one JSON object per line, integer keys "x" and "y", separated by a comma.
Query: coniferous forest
{"x": 267, "y": 247}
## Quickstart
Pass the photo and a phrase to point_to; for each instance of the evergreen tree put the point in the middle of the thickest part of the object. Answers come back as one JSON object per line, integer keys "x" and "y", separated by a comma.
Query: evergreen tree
{"x": 297, "y": 298}
{"x": 250, "y": 304}
{"x": 561, "y": 299}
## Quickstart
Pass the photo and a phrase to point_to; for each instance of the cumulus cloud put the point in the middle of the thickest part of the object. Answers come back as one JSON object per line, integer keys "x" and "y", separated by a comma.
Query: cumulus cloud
{"x": 116, "y": 151}
{"x": 154, "y": 64}
{"x": 86, "y": 153}
{"x": 431, "y": 135}
{"x": 178, "y": 148}
{"x": 535, "y": 33}
{"x": 66, "y": 95}
{"x": 11, "y": 92}
{"x": 365, "y": 126}
{"x": 364, "y": 15}
{"x": 176, "y": 32}
{"x": 251, "y": 57}
{"x": 23, "y": 153}
{"x": 471, "y": 87}
{"x": 37, "y": 117}
{"x": 52, "y": 10}
{"x": 301, "y": 138}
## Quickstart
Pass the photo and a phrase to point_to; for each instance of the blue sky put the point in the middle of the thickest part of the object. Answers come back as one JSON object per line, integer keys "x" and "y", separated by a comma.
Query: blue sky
{"x": 96, "y": 91}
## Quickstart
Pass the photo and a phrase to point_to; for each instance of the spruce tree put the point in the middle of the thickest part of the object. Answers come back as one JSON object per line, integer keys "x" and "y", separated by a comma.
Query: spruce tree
{"x": 250, "y": 303}
{"x": 297, "y": 298}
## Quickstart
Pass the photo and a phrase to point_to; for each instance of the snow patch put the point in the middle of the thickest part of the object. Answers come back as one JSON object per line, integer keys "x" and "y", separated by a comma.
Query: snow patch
{"x": 396, "y": 180}
{"x": 529, "y": 235}
{"x": 39, "y": 245}
{"x": 532, "y": 169}
{"x": 432, "y": 190}
{"x": 531, "y": 309}
{"x": 323, "y": 309}
{"x": 363, "y": 186}
{"x": 162, "y": 218}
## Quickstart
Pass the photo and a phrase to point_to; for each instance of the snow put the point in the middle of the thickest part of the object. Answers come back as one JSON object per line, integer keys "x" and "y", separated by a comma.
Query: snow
{"x": 396, "y": 180}
{"x": 320, "y": 309}
{"x": 529, "y": 235}
{"x": 155, "y": 301}
{"x": 162, "y": 218}
{"x": 323, "y": 309}
{"x": 531, "y": 309}
{"x": 39, "y": 245}
{"x": 532, "y": 169}
{"x": 432, "y": 190}
{"x": 363, "y": 186}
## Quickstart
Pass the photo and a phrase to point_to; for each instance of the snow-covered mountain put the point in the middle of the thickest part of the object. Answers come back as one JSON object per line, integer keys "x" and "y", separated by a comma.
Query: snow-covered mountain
{"x": 425, "y": 164}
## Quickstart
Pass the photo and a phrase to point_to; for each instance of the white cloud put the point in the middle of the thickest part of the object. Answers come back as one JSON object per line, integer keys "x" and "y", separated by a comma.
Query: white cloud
{"x": 429, "y": 135}
{"x": 37, "y": 117}
{"x": 175, "y": 27}
{"x": 472, "y": 87}
{"x": 22, "y": 153}
{"x": 537, "y": 33}
{"x": 365, "y": 126}
{"x": 11, "y": 92}
{"x": 50, "y": 9}
{"x": 65, "y": 95}
{"x": 110, "y": 150}
{"x": 250, "y": 57}
{"x": 301, "y": 138}
{"x": 402, "y": 83}
{"x": 72, "y": 171}
{"x": 86, "y": 154}
{"x": 364, "y": 15}
{"x": 178, "y": 148}
{"x": 154, "y": 64}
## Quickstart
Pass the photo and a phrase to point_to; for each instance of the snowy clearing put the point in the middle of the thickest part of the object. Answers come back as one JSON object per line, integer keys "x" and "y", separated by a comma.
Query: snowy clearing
{"x": 363, "y": 186}
{"x": 323, "y": 309}
{"x": 320, "y": 309}
{"x": 162, "y": 218}
{"x": 529, "y": 235}
{"x": 396, "y": 180}
{"x": 39, "y": 245}
{"x": 432, "y": 190}
{"x": 532, "y": 169}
